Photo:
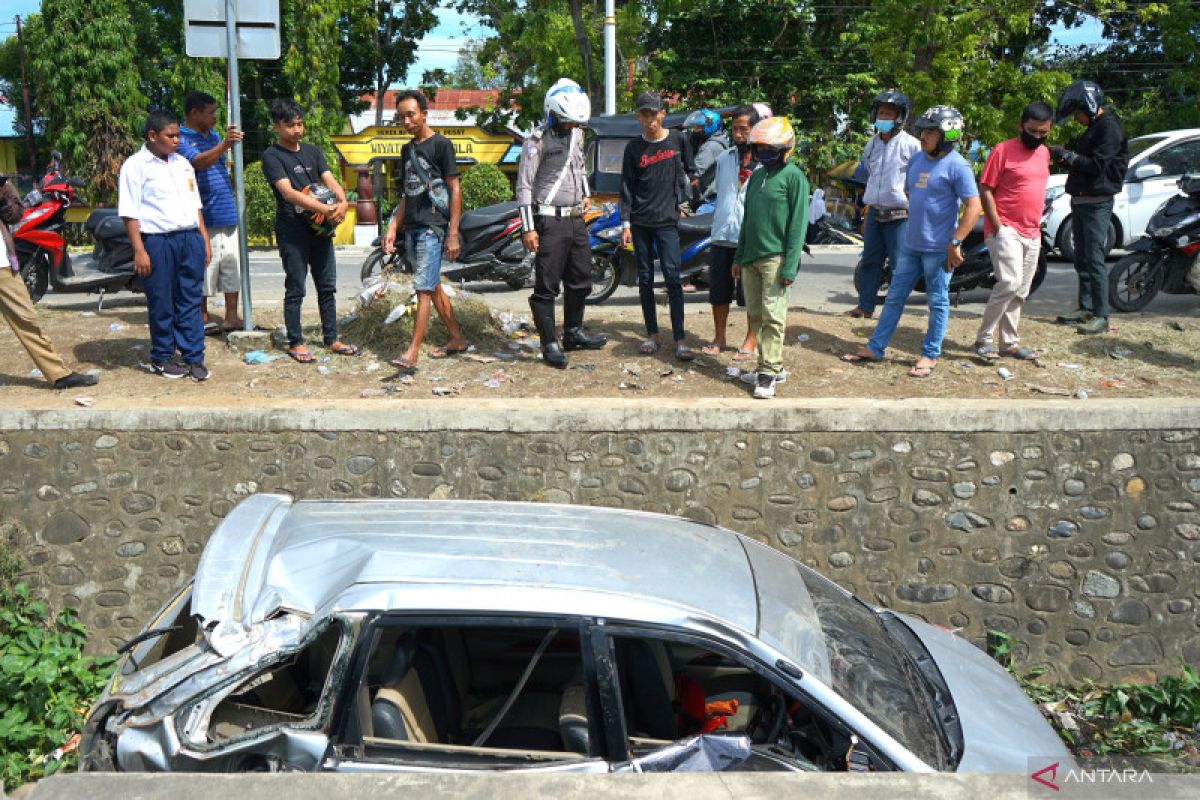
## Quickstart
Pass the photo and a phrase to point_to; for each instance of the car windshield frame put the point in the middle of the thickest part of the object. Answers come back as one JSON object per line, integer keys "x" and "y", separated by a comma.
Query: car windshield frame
{"x": 841, "y": 640}
{"x": 1141, "y": 144}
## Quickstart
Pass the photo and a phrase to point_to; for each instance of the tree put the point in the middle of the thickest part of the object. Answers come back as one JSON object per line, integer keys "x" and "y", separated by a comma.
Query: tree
{"x": 484, "y": 185}
{"x": 83, "y": 59}
{"x": 471, "y": 71}
{"x": 393, "y": 30}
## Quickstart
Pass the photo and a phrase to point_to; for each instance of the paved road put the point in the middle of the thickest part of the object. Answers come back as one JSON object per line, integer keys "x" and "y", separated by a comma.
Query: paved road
{"x": 825, "y": 284}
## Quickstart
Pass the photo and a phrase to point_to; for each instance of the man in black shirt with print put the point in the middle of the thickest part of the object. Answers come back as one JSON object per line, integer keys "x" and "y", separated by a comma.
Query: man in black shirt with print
{"x": 291, "y": 167}
{"x": 654, "y": 183}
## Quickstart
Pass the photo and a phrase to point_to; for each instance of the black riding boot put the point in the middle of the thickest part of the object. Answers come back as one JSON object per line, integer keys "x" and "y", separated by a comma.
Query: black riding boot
{"x": 575, "y": 336}
{"x": 543, "y": 320}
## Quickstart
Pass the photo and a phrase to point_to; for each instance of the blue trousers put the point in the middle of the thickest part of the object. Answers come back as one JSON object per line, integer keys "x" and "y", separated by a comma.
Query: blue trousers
{"x": 666, "y": 242}
{"x": 906, "y": 269}
{"x": 174, "y": 291}
{"x": 881, "y": 241}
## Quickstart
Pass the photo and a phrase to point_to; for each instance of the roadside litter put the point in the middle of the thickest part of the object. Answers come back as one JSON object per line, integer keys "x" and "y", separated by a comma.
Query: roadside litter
{"x": 256, "y": 357}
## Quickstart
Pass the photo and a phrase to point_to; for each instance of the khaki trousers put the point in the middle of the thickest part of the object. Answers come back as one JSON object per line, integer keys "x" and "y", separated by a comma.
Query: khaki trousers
{"x": 17, "y": 310}
{"x": 766, "y": 310}
{"x": 1014, "y": 263}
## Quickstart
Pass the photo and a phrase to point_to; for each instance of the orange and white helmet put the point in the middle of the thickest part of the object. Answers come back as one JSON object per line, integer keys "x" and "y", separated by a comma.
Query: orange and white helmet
{"x": 774, "y": 132}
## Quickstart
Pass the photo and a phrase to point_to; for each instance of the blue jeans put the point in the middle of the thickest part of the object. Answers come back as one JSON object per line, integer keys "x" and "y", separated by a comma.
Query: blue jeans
{"x": 424, "y": 248}
{"x": 880, "y": 242}
{"x": 666, "y": 241}
{"x": 174, "y": 290}
{"x": 906, "y": 269}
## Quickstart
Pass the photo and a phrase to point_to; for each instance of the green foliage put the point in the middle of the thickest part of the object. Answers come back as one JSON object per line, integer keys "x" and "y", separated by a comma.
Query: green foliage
{"x": 46, "y": 684}
{"x": 484, "y": 185}
{"x": 260, "y": 204}
{"x": 1126, "y": 718}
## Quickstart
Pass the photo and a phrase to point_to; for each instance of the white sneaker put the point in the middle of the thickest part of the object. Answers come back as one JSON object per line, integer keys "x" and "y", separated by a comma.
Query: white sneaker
{"x": 765, "y": 387}
{"x": 752, "y": 377}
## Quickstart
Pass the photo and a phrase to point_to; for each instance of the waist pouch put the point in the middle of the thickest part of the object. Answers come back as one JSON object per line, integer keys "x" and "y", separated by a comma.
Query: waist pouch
{"x": 886, "y": 215}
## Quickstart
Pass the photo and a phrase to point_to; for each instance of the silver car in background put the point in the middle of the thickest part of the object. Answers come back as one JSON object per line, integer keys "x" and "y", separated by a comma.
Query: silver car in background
{"x": 384, "y": 635}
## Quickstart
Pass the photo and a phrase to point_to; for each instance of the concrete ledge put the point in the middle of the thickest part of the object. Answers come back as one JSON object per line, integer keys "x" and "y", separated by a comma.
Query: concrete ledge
{"x": 618, "y": 414}
{"x": 682, "y": 786}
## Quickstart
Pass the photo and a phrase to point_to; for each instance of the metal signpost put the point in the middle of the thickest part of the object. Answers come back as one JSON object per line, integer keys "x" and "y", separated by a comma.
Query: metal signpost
{"x": 233, "y": 29}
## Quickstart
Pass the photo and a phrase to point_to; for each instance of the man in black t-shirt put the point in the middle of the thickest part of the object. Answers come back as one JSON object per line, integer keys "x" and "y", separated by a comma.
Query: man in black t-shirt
{"x": 291, "y": 166}
{"x": 654, "y": 183}
{"x": 427, "y": 167}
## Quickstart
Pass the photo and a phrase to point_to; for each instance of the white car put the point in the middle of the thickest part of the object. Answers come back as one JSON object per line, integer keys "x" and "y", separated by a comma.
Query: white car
{"x": 1156, "y": 162}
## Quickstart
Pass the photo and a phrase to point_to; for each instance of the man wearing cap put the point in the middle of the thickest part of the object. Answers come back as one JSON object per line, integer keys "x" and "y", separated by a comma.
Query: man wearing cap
{"x": 552, "y": 196}
{"x": 654, "y": 184}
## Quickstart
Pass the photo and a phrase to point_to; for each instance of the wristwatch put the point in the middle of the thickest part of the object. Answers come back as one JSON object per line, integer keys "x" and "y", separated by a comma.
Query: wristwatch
{"x": 956, "y": 242}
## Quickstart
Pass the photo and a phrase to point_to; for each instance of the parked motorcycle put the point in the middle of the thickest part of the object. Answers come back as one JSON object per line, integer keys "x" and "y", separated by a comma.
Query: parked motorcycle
{"x": 42, "y": 249}
{"x": 975, "y": 272}
{"x": 1160, "y": 260}
{"x": 826, "y": 231}
{"x": 491, "y": 250}
{"x": 613, "y": 265}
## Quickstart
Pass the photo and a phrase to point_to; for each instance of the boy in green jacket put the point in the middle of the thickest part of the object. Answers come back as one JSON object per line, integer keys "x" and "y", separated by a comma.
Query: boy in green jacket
{"x": 769, "y": 246}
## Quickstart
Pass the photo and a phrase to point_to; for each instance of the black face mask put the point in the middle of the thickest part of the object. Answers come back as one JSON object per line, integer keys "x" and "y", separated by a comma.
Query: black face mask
{"x": 743, "y": 147}
{"x": 1031, "y": 141}
{"x": 697, "y": 140}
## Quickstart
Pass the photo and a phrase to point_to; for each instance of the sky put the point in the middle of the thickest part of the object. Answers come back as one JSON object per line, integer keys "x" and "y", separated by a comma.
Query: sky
{"x": 439, "y": 50}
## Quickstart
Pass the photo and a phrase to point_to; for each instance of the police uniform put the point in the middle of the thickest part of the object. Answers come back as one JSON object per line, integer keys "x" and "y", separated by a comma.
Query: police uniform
{"x": 551, "y": 187}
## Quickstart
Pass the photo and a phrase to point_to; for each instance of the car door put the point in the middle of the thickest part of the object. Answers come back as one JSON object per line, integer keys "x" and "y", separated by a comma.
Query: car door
{"x": 676, "y": 701}
{"x": 1146, "y": 195}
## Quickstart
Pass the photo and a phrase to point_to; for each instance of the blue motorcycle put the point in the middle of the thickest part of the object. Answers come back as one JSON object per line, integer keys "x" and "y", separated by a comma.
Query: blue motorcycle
{"x": 613, "y": 265}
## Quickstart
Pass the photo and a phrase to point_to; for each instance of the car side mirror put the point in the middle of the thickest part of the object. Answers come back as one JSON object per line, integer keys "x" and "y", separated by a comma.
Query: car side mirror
{"x": 1146, "y": 171}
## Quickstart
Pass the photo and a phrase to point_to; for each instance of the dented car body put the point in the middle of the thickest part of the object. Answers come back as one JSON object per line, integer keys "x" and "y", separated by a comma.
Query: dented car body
{"x": 447, "y": 635}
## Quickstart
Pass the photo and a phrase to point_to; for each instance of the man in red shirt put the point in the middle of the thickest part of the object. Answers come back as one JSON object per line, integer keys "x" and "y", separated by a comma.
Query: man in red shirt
{"x": 1013, "y": 193}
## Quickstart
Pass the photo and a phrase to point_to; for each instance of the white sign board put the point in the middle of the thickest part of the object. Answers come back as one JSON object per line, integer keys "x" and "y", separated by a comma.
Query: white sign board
{"x": 257, "y": 28}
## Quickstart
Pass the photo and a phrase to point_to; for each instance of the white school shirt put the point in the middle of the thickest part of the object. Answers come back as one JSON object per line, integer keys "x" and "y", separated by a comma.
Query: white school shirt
{"x": 160, "y": 194}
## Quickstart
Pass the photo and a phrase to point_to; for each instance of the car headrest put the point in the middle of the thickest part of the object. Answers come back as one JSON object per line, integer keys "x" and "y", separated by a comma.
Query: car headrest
{"x": 402, "y": 660}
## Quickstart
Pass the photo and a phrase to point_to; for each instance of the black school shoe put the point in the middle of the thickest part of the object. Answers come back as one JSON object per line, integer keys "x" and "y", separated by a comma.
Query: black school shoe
{"x": 75, "y": 380}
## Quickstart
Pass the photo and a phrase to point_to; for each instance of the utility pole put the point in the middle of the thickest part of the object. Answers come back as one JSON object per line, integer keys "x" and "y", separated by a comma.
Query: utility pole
{"x": 25, "y": 97}
{"x": 610, "y": 57}
{"x": 239, "y": 181}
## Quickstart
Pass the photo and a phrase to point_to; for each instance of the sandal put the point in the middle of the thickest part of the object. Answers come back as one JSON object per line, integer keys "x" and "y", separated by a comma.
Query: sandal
{"x": 712, "y": 349}
{"x": 745, "y": 355}
{"x": 301, "y": 355}
{"x": 212, "y": 329}
{"x": 1020, "y": 353}
{"x": 858, "y": 313}
{"x": 863, "y": 356}
{"x": 921, "y": 370}
{"x": 683, "y": 352}
{"x": 986, "y": 351}
{"x": 404, "y": 364}
{"x": 648, "y": 347}
{"x": 446, "y": 352}
{"x": 343, "y": 349}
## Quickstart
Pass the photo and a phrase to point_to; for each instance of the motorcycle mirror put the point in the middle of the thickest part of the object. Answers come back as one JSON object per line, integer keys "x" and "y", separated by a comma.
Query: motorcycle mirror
{"x": 78, "y": 183}
{"x": 55, "y": 155}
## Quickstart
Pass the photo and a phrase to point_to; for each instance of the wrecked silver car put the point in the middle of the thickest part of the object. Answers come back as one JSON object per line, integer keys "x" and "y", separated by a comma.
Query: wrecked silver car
{"x": 375, "y": 635}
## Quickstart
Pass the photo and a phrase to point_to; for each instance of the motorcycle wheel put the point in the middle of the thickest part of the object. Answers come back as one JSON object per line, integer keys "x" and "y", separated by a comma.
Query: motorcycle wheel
{"x": 1135, "y": 279}
{"x": 606, "y": 275}
{"x": 373, "y": 265}
{"x": 35, "y": 275}
{"x": 883, "y": 284}
{"x": 522, "y": 277}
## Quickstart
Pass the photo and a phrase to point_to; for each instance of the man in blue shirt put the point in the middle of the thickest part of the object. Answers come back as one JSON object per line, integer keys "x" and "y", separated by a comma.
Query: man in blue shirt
{"x": 206, "y": 150}
{"x": 939, "y": 179}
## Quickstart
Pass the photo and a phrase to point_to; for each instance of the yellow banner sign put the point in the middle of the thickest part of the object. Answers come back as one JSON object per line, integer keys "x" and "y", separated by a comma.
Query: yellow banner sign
{"x": 471, "y": 145}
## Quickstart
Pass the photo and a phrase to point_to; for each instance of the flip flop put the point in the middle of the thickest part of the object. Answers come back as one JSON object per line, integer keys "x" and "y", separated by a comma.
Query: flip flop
{"x": 446, "y": 352}
{"x": 857, "y": 313}
{"x": 712, "y": 349}
{"x": 343, "y": 349}
{"x": 1020, "y": 353}
{"x": 745, "y": 355}
{"x": 212, "y": 329}
{"x": 987, "y": 351}
{"x": 404, "y": 364}
{"x": 648, "y": 347}
{"x": 921, "y": 372}
{"x": 228, "y": 329}
{"x": 301, "y": 355}
{"x": 684, "y": 353}
{"x": 859, "y": 358}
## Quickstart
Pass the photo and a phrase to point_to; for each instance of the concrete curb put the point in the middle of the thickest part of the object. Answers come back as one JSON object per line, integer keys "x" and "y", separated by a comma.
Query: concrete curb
{"x": 678, "y": 786}
{"x": 618, "y": 414}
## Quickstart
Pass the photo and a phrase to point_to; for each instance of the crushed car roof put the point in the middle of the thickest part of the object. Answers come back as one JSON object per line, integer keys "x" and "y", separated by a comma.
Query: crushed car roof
{"x": 271, "y": 554}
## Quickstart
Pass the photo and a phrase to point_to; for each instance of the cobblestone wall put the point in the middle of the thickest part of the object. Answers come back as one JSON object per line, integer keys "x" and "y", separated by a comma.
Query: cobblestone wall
{"x": 1085, "y": 546}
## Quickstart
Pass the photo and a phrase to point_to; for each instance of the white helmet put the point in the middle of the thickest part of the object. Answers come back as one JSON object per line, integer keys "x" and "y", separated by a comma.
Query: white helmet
{"x": 566, "y": 101}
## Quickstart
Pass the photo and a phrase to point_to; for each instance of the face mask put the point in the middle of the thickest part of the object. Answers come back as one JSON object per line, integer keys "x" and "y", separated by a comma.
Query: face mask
{"x": 743, "y": 147}
{"x": 885, "y": 125}
{"x": 1031, "y": 141}
{"x": 697, "y": 139}
{"x": 767, "y": 156}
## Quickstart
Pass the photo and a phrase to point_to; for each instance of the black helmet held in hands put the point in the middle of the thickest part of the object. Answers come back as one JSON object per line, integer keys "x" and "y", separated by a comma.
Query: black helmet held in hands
{"x": 1084, "y": 96}
{"x": 890, "y": 97}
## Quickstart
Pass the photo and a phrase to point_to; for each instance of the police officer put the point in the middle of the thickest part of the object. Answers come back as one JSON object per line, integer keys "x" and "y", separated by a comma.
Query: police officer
{"x": 552, "y": 194}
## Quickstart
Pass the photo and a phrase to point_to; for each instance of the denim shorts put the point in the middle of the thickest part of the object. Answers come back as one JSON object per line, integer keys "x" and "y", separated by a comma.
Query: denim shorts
{"x": 424, "y": 248}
